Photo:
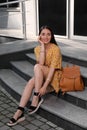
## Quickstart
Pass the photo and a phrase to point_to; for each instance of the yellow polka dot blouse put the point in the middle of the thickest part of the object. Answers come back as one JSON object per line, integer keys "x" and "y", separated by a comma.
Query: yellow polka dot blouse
{"x": 53, "y": 59}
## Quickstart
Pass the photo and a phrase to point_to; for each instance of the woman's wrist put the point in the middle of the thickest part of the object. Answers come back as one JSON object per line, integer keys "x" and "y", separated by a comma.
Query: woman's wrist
{"x": 42, "y": 46}
{"x": 48, "y": 79}
{"x": 42, "y": 51}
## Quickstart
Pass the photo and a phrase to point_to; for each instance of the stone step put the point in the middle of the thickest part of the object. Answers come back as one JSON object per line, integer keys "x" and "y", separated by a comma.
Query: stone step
{"x": 14, "y": 51}
{"x": 66, "y": 115}
{"x": 12, "y": 82}
{"x": 76, "y": 54}
{"x": 25, "y": 69}
{"x": 16, "y": 46}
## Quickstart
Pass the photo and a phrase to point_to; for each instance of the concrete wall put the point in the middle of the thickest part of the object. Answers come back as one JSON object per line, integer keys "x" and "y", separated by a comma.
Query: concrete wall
{"x": 11, "y": 23}
{"x": 18, "y": 26}
{"x": 10, "y": 20}
{"x": 30, "y": 11}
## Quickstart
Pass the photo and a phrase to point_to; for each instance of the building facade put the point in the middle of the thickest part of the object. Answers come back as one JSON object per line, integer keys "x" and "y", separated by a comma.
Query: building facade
{"x": 67, "y": 18}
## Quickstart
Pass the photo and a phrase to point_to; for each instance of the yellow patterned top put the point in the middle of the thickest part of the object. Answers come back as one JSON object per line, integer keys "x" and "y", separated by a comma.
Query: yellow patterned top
{"x": 53, "y": 59}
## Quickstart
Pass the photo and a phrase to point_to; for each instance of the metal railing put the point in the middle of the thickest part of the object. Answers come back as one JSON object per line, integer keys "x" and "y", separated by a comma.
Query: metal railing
{"x": 22, "y": 13}
{"x": 12, "y": 2}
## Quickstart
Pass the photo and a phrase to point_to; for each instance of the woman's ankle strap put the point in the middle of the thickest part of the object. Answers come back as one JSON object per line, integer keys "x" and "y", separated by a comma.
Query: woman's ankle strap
{"x": 36, "y": 93}
{"x": 21, "y": 108}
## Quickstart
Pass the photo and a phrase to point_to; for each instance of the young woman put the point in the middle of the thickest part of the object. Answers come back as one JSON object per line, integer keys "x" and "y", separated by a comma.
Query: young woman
{"x": 46, "y": 77}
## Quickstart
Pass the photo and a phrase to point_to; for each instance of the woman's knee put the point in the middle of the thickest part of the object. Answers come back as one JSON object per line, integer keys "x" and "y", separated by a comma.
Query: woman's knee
{"x": 37, "y": 67}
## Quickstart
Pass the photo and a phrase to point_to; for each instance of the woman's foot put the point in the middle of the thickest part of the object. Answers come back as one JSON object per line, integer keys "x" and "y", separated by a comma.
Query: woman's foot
{"x": 18, "y": 117}
{"x": 37, "y": 101}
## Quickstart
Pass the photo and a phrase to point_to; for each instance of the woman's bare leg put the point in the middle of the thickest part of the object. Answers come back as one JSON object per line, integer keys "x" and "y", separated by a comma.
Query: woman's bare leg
{"x": 27, "y": 92}
{"x": 25, "y": 97}
{"x": 40, "y": 73}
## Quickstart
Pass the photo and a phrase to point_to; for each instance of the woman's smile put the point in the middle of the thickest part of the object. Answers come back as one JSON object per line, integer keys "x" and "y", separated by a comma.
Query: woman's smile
{"x": 45, "y": 36}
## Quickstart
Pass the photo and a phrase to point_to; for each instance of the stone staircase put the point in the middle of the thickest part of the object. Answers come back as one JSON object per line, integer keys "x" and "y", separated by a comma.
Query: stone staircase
{"x": 68, "y": 111}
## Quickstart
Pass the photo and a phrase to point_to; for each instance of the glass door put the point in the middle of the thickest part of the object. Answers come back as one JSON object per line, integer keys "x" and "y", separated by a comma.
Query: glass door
{"x": 80, "y": 17}
{"x": 79, "y": 13}
{"x": 54, "y": 14}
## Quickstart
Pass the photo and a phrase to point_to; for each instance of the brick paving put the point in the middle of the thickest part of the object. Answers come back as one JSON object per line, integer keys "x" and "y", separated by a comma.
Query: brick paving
{"x": 8, "y": 106}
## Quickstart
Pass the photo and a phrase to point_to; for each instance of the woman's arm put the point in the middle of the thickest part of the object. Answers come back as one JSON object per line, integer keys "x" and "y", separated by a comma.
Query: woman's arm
{"x": 42, "y": 56}
{"x": 42, "y": 52}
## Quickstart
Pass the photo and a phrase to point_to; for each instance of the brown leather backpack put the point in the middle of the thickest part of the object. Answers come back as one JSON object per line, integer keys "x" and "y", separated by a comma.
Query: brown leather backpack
{"x": 71, "y": 79}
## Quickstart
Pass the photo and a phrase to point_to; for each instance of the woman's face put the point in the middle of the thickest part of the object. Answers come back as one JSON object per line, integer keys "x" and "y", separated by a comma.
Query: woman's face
{"x": 45, "y": 36}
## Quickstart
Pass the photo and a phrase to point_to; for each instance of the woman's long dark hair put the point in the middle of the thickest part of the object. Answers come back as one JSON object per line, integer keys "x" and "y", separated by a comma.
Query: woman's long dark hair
{"x": 52, "y": 34}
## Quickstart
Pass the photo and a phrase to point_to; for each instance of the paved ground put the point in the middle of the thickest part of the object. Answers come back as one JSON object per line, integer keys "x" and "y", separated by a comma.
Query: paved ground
{"x": 35, "y": 122}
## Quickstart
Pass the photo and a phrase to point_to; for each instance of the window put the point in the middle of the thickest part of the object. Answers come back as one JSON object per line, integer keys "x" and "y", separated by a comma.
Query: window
{"x": 80, "y": 17}
{"x": 53, "y": 14}
{"x": 9, "y": 5}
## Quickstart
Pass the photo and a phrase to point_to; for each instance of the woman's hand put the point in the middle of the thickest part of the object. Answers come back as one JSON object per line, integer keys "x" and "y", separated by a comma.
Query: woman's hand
{"x": 42, "y": 91}
{"x": 42, "y": 51}
{"x": 40, "y": 41}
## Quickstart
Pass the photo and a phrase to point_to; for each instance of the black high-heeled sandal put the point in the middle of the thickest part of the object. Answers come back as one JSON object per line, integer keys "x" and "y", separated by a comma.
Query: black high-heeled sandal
{"x": 33, "y": 109}
{"x": 21, "y": 118}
